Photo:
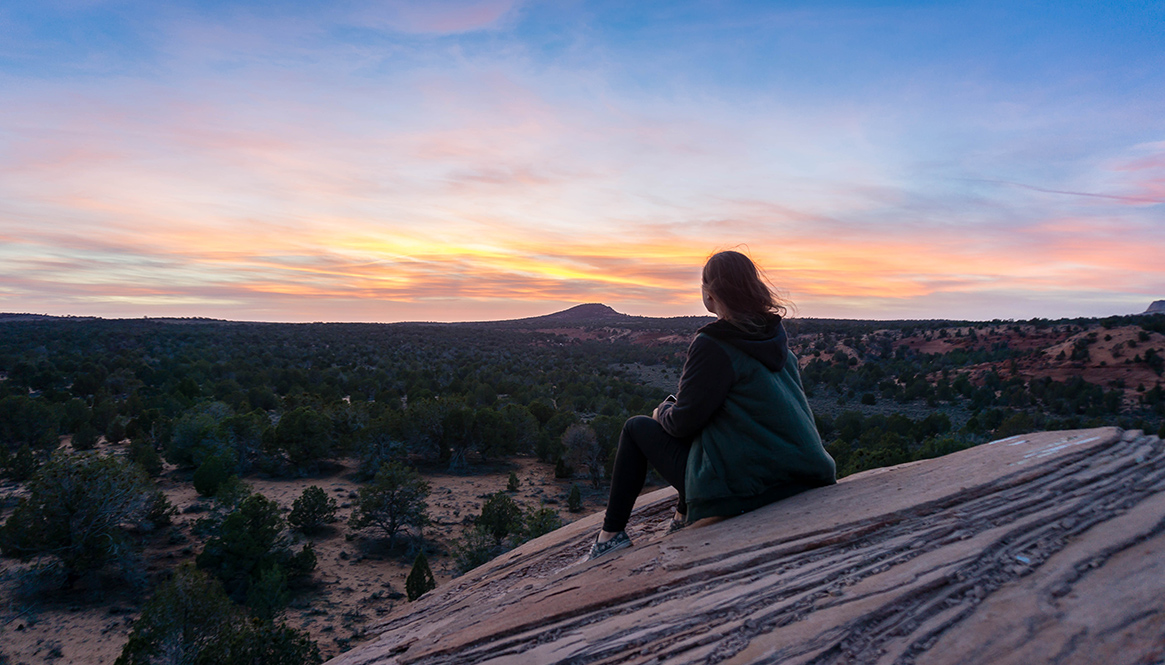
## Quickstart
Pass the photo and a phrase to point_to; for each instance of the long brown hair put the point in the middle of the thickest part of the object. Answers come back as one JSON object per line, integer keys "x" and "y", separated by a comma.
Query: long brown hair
{"x": 741, "y": 288}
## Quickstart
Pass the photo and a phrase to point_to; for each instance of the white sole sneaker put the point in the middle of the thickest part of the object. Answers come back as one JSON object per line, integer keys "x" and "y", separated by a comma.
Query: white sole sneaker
{"x": 598, "y": 549}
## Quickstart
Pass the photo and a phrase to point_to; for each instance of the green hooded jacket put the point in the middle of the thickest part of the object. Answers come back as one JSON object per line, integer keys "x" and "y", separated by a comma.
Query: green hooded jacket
{"x": 760, "y": 445}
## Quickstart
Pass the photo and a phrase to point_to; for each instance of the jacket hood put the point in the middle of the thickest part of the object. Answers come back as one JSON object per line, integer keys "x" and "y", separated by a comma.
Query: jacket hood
{"x": 769, "y": 345}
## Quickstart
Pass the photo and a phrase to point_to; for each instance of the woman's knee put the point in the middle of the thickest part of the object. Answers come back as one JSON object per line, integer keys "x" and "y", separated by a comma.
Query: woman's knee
{"x": 638, "y": 426}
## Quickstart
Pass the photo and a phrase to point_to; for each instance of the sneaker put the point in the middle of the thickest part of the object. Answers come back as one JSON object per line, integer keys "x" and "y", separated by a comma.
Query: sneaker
{"x": 677, "y": 523}
{"x": 598, "y": 549}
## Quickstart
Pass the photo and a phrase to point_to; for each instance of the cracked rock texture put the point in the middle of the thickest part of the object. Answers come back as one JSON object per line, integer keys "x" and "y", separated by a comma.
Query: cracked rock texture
{"x": 1041, "y": 548}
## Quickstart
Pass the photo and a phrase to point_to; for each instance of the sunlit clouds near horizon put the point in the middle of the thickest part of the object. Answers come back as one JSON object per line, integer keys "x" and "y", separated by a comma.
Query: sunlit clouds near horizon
{"x": 389, "y": 161}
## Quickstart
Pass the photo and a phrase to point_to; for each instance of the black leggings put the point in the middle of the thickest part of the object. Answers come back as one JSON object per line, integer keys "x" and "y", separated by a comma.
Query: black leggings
{"x": 644, "y": 440}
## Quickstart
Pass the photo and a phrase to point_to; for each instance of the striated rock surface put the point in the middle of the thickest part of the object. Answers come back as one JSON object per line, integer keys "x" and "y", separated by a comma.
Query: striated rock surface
{"x": 1041, "y": 548}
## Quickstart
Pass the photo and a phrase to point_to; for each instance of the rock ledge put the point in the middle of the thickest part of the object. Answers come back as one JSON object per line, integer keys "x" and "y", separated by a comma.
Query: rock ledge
{"x": 1041, "y": 548}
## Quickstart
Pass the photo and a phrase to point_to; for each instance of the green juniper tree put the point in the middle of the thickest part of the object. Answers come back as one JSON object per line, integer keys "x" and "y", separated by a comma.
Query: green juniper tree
{"x": 500, "y": 516}
{"x": 584, "y": 450}
{"x": 305, "y": 437}
{"x": 541, "y": 521}
{"x": 23, "y": 464}
{"x": 248, "y": 542}
{"x": 143, "y": 453}
{"x": 268, "y": 594}
{"x": 312, "y": 509}
{"x": 395, "y": 499}
{"x": 189, "y": 619}
{"x": 212, "y": 473}
{"x": 420, "y": 579}
{"x": 76, "y": 511}
{"x": 574, "y": 500}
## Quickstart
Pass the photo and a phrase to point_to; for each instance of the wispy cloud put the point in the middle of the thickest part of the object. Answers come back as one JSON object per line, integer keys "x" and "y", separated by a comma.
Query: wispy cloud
{"x": 442, "y": 17}
{"x": 1110, "y": 197}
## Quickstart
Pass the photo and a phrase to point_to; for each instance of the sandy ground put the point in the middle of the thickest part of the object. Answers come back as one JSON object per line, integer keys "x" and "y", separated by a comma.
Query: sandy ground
{"x": 356, "y": 581}
{"x": 644, "y": 337}
{"x": 1111, "y": 363}
{"x": 657, "y": 376}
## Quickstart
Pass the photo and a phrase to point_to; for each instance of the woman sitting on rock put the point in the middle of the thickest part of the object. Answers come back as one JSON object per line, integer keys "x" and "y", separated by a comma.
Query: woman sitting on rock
{"x": 739, "y": 433}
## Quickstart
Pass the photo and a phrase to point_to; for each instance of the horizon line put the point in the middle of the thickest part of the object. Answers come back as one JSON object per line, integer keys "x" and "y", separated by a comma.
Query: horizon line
{"x": 6, "y": 316}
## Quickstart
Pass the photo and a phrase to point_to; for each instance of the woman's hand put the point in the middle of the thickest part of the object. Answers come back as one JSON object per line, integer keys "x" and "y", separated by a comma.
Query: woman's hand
{"x": 671, "y": 399}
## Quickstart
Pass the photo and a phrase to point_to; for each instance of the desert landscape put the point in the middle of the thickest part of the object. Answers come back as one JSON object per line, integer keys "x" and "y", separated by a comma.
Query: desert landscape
{"x": 356, "y": 582}
{"x": 320, "y": 325}
{"x": 472, "y": 407}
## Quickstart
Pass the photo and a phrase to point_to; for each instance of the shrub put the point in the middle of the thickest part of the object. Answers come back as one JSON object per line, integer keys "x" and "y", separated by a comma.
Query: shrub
{"x": 512, "y": 483}
{"x": 115, "y": 432}
{"x": 198, "y": 434}
{"x": 939, "y": 446}
{"x": 395, "y": 499}
{"x": 583, "y": 448}
{"x": 143, "y": 453}
{"x": 871, "y": 458}
{"x": 23, "y": 464}
{"x": 246, "y": 543}
{"x": 541, "y": 521}
{"x": 840, "y": 451}
{"x": 379, "y": 443}
{"x": 232, "y": 492}
{"x": 302, "y": 562}
{"x": 161, "y": 512}
{"x": 75, "y": 511}
{"x": 420, "y": 580}
{"x": 85, "y": 438}
{"x": 305, "y": 436}
{"x": 268, "y": 643}
{"x": 268, "y": 593}
{"x": 574, "y": 500}
{"x": 243, "y": 434}
{"x": 1018, "y": 423}
{"x": 190, "y": 620}
{"x": 473, "y": 549}
{"x": 187, "y": 615}
{"x": 212, "y": 473}
{"x": 562, "y": 470}
{"x": 500, "y": 516}
{"x": 522, "y": 427}
{"x": 28, "y": 420}
{"x": 250, "y": 541}
{"x": 313, "y": 508}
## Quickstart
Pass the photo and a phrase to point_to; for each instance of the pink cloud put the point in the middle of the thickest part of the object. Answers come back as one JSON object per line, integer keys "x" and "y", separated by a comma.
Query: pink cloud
{"x": 439, "y": 17}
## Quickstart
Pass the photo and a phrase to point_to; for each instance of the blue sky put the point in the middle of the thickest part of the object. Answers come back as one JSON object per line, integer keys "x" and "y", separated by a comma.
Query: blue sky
{"x": 382, "y": 161}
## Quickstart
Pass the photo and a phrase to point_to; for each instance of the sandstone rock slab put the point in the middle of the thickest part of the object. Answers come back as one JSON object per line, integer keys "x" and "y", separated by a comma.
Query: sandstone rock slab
{"x": 1041, "y": 548}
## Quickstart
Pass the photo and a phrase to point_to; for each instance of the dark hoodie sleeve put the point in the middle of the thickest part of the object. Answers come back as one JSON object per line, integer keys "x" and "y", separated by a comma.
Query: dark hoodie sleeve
{"x": 704, "y": 385}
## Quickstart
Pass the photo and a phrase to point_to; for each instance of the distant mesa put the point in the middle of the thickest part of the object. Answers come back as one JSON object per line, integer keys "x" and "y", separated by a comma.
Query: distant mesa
{"x": 588, "y": 311}
{"x": 1158, "y": 307}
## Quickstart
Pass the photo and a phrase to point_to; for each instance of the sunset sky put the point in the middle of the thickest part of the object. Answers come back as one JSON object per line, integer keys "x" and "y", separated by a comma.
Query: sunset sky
{"x": 470, "y": 160}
